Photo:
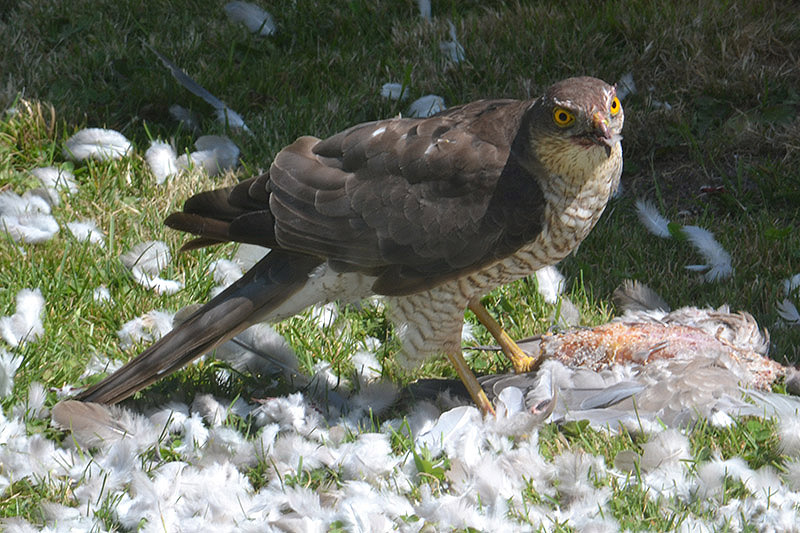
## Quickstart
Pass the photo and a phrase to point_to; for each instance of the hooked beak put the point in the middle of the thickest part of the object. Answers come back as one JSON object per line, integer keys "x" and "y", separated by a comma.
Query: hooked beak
{"x": 601, "y": 135}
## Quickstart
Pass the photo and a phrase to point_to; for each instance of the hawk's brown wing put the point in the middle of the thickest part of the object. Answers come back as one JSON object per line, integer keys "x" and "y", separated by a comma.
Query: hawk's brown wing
{"x": 414, "y": 201}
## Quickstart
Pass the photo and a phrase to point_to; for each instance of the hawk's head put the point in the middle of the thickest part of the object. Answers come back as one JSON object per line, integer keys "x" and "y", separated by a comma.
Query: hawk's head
{"x": 584, "y": 111}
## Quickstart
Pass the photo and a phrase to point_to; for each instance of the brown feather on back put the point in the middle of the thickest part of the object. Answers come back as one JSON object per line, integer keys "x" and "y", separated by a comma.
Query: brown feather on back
{"x": 415, "y": 200}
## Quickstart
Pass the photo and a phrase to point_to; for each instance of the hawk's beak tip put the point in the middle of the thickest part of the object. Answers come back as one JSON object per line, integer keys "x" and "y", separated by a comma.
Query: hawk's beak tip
{"x": 600, "y": 123}
{"x": 605, "y": 137}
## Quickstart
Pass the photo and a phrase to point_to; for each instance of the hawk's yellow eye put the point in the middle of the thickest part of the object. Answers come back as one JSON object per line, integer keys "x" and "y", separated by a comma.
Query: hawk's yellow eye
{"x": 616, "y": 107}
{"x": 562, "y": 117}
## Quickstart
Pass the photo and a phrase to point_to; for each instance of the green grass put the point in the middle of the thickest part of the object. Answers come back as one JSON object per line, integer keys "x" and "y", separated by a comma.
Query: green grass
{"x": 727, "y": 69}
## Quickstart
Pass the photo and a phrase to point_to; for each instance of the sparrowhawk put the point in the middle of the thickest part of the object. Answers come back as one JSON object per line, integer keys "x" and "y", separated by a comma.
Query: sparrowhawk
{"x": 431, "y": 213}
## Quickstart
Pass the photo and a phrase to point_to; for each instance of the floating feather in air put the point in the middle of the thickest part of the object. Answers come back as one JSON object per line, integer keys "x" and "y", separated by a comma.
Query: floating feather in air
{"x": 25, "y": 324}
{"x": 224, "y": 114}
{"x": 145, "y": 261}
{"x": 162, "y": 160}
{"x": 97, "y": 143}
{"x": 253, "y": 17}
{"x": 26, "y": 218}
{"x": 426, "y": 106}
{"x": 718, "y": 260}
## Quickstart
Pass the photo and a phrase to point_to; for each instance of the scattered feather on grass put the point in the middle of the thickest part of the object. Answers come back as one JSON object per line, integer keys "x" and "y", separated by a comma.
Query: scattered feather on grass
{"x": 424, "y": 9}
{"x": 260, "y": 349}
{"x": 788, "y": 312}
{"x": 718, "y": 260}
{"x": 566, "y": 314}
{"x": 791, "y": 284}
{"x": 25, "y": 325}
{"x": 626, "y": 86}
{"x": 486, "y": 465}
{"x": 9, "y": 363}
{"x": 550, "y": 283}
{"x": 253, "y": 17}
{"x": 34, "y": 407}
{"x": 215, "y": 154}
{"x": 185, "y": 117}
{"x": 101, "y": 294}
{"x": 231, "y": 119}
{"x": 146, "y": 328}
{"x": 149, "y": 256}
{"x": 792, "y": 474}
{"x": 247, "y": 255}
{"x": 55, "y": 180}
{"x": 658, "y": 104}
{"x": 87, "y": 230}
{"x": 452, "y": 49}
{"x": 224, "y": 114}
{"x": 467, "y": 333}
{"x": 97, "y": 143}
{"x": 789, "y": 434}
{"x": 426, "y": 106}
{"x": 224, "y": 272}
{"x": 225, "y": 150}
{"x": 394, "y": 91}
{"x": 100, "y": 364}
{"x": 145, "y": 261}
{"x": 162, "y": 160}
{"x": 324, "y": 315}
{"x": 652, "y": 219}
{"x": 26, "y": 218}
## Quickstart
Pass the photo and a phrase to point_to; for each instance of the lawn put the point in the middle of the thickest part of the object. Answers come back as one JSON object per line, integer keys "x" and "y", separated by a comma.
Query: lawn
{"x": 711, "y": 138}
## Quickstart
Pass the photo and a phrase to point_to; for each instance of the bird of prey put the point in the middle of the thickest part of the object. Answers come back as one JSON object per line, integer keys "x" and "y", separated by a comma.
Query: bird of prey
{"x": 432, "y": 213}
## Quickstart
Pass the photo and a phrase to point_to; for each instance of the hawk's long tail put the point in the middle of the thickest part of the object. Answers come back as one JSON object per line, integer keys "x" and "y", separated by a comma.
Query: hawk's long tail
{"x": 261, "y": 290}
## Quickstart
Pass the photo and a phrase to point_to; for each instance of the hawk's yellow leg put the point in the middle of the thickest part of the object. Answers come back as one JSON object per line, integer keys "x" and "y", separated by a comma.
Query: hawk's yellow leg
{"x": 522, "y": 362}
{"x": 470, "y": 382}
